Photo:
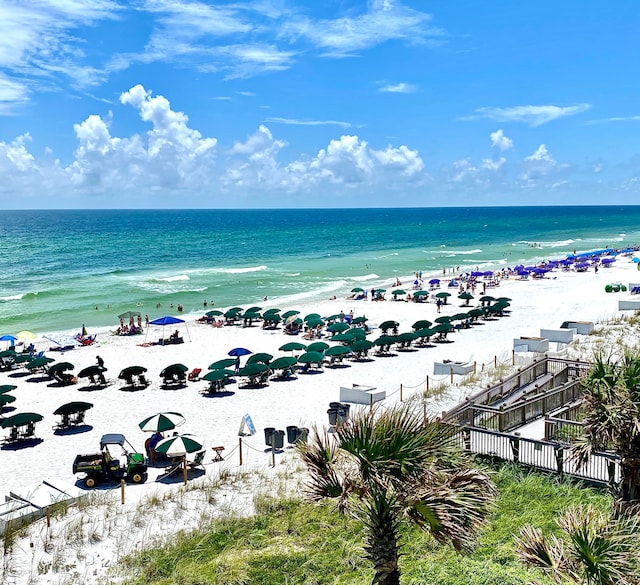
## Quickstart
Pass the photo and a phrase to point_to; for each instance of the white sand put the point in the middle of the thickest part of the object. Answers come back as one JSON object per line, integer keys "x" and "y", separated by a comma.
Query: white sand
{"x": 536, "y": 304}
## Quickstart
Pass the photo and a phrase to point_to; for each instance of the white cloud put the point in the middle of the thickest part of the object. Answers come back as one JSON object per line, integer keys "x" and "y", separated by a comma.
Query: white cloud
{"x": 398, "y": 88}
{"x": 531, "y": 115}
{"x": 243, "y": 61}
{"x": 500, "y": 141}
{"x": 296, "y": 122}
{"x": 384, "y": 20}
{"x": 493, "y": 164}
{"x": 541, "y": 154}
{"x": 615, "y": 119}
{"x": 539, "y": 164}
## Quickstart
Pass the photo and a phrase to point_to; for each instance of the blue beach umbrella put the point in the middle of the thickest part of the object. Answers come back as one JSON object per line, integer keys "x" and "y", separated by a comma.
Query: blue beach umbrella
{"x": 239, "y": 351}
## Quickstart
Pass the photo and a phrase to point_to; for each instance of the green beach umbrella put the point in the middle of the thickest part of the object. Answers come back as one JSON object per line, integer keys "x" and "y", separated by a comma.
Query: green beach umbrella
{"x": 8, "y": 353}
{"x": 311, "y": 316}
{"x": 215, "y": 375}
{"x": 315, "y": 322}
{"x": 421, "y": 324}
{"x": 288, "y": 314}
{"x": 214, "y": 313}
{"x": 338, "y": 327}
{"x": 385, "y": 325}
{"x": 18, "y": 420}
{"x": 337, "y": 350}
{"x": 318, "y": 346}
{"x": 222, "y": 364}
{"x": 131, "y": 371}
{"x": 356, "y": 333}
{"x": 344, "y": 337}
{"x": 426, "y": 332}
{"x": 39, "y": 362}
{"x": 180, "y": 445}
{"x": 283, "y": 362}
{"x": 161, "y": 422}
{"x": 311, "y": 357}
{"x": 359, "y": 320}
{"x": 262, "y": 358}
{"x": 362, "y": 345}
{"x": 7, "y": 388}
{"x": 253, "y": 369}
{"x": 73, "y": 408}
{"x": 91, "y": 371}
{"x": 60, "y": 367}
{"x": 384, "y": 340}
{"x": 357, "y": 289}
{"x": 293, "y": 346}
{"x": 443, "y": 319}
{"x": 6, "y": 399}
{"x": 172, "y": 370}
{"x": 398, "y": 292}
{"x": 421, "y": 293}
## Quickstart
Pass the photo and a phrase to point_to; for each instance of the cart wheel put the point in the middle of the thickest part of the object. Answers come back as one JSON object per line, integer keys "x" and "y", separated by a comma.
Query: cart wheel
{"x": 138, "y": 477}
{"x": 90, "y": 482}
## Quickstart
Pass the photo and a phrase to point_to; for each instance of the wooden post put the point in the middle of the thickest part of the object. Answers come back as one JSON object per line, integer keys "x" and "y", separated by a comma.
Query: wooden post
{"x": 184, "y": 468}
{"x": 48, "y": 517}
{"x": 400, "y": 392}
{"x": 240, "y": 448}
{"x": 451, "y": 374}
{"x": 475, "y": 366}
{"x": 122, "y": 491}
{"x": 273, "y": 450}
{"x": 495, "y": 361}
{"x": 427, "y": 388}
{"x": 513, "y": 357}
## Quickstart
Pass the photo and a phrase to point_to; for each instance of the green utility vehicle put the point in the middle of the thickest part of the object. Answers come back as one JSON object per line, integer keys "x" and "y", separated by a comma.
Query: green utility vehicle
{"x": 108, "y": 466}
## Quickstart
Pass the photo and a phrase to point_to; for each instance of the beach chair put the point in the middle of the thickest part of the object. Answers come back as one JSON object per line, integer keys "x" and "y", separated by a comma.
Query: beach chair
{"x": 194, "y": 374}
{"x": 198, "y": 460}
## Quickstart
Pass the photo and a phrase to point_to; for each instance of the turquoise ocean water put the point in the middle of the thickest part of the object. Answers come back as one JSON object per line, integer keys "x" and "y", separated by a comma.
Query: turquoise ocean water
{"x": 60, "y": 269}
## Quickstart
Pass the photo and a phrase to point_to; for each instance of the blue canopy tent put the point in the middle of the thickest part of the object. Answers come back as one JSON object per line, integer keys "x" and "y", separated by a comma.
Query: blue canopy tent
{"x": 163, "y": 322}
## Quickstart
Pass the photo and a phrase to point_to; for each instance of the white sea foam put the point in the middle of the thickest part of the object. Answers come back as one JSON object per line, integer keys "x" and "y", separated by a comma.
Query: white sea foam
{"x": 451, "y": 253}
{"x": 364, "y": 278}
{"x": 173, "y": 278}
{"x": 12, "y": 297}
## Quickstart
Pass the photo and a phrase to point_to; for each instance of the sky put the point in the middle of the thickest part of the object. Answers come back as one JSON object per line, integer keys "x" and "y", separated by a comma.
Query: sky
{"x": 307, "y": 104}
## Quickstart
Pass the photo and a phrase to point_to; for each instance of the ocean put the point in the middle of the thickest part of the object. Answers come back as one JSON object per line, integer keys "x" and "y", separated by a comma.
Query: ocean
{"x": 62, "y": 269}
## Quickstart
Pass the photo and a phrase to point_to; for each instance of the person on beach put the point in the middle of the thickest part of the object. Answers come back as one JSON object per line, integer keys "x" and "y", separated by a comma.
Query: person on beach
{"x": 100, "y": 361}
{"x": 146, "y": 320}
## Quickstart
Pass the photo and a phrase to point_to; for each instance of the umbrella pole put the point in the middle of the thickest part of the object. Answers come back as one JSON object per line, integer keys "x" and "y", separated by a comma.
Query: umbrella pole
{"x": 184, "y": 468}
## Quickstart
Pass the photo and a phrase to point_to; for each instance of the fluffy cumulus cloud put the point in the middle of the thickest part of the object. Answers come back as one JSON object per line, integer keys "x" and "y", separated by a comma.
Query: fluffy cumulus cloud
{"x": 500, "y": 141}
{"x": 539, "y": 164}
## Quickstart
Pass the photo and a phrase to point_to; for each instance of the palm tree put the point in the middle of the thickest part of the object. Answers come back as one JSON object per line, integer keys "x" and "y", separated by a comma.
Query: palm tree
{"x": 391, "y": 466}
{"x": 611, "y": 406}
{"x": 592, "y": 549}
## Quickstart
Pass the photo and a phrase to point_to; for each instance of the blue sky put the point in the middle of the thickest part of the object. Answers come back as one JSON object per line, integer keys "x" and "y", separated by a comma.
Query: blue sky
{"x": 340, "y": 103}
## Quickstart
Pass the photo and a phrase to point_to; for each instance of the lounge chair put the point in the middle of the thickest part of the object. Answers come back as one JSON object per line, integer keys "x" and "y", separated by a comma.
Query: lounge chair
{"x": 198, "y": 460}
{"x": 194, "y": 374}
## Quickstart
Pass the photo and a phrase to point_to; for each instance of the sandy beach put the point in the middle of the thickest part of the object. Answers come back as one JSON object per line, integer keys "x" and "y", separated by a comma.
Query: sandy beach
{"x": 302, "y": 401}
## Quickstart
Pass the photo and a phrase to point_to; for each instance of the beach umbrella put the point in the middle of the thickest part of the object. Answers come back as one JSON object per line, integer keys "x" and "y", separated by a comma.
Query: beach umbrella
{"x": 94, "y": 370}
{"x": 6, "y": 399}
{"x": 311, "y": 357}
{"x": 283, "y": 362}
{"x": 398, "y": 292}
{"x": 426, "y": 332}
{"x": 311, "y": 316}
{"x": 344, "y": 337}
{"x": 239, "y": 351}
{"x": 500, "y": 299}
{"x": 129, "y": 314}
{"x": 476, "y": 312}
{"x": 357, "y": 289}
{"x": 434, "y": 281}
{"x": 21, "y": 358}
{"x": 291, "y": 313}
{"x": 8, "y": 353}
{"x": 215, "y": 375}
{"x": 252, "y": 315}
{"x": 293, "y": 346}
{"x": 270, "y": 312}
{"x": 358, "y": 320}
{"x": 356, "y": 333}
{"x": 222, "y": 364}
{"x": 362, "y": 345}
{"x": 26, "y": 335}
{"x": 60, "y": 367}
{"x": 443, "y": 295}
{"x": 318, "y": 346}
{"x": 72, "y": 408}
{"x": 380, "y": 290}
{"x": 263, "y": 358}
{"x": 180, "y": 445}
{"x": 7, "y": 388}
{"x": 443, "y": 328}
{"x": 161, "y": 422}
{"x": 18, "y": 420}
{"x": 421, "y": 324}
{"x": 214, "y": 313}
{"x": 487, "y": 299}
{"x": 39, "y": 362}
{"x": 635, "y": 259}
{"x": 131, "y": 371}
{"x": 315, "y": 322}
{"x": 253, "y": 310}
{"x": 338, "y": 327}
{"x": 443, "y": 319}
{"x": 460, "y": 317}
{"x": 174, "y": 370}
{"x": 337, "y": 350}
{"x": 9, "y": 338}
{"x": 253, "y": 369}
{"x": 385, "y": 340}
{"x": 385, "y": 325}
{"x": 231, "y": 314}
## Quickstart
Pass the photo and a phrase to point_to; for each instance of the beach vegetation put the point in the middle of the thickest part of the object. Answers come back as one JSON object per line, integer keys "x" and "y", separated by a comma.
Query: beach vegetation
{"x": 611, "y": 406}
{"x": 294, "y": 541}
{"x": 391, "y": 467}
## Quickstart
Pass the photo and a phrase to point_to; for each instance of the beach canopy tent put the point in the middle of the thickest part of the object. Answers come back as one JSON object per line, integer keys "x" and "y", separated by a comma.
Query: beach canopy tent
{"x": 19, "y": 420}
{"x": 222, "y": 364}
{"x": 7, "y": 388}
{"x": 161, "y": 422}
{"x": 293, "y": 346}
{"x": 72, "y": 408}
{"x": 165, "y": 321}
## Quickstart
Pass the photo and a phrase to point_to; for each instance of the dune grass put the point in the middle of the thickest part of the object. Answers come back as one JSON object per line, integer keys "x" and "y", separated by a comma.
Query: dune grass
{"x": 294, "y": 542}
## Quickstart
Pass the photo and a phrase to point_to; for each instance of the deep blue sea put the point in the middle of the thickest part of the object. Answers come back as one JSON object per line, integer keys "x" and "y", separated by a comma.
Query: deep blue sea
{"x": 60, "y": 269}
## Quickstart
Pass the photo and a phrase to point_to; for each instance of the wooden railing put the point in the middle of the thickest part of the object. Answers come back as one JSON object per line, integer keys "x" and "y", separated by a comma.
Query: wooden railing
{"x": 601, "y": 469}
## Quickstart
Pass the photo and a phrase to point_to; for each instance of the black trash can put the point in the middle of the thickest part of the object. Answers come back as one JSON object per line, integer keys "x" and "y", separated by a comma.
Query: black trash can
{"x": 304, "y": 434}
{"x": 278, "y": 439}
{"x": 268, "y": 435}
{"x": 345, "y": 407}
{"x": 292, "y": 434}
{"x": 333, "y": 415}
{"x": 335, "y": 404}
